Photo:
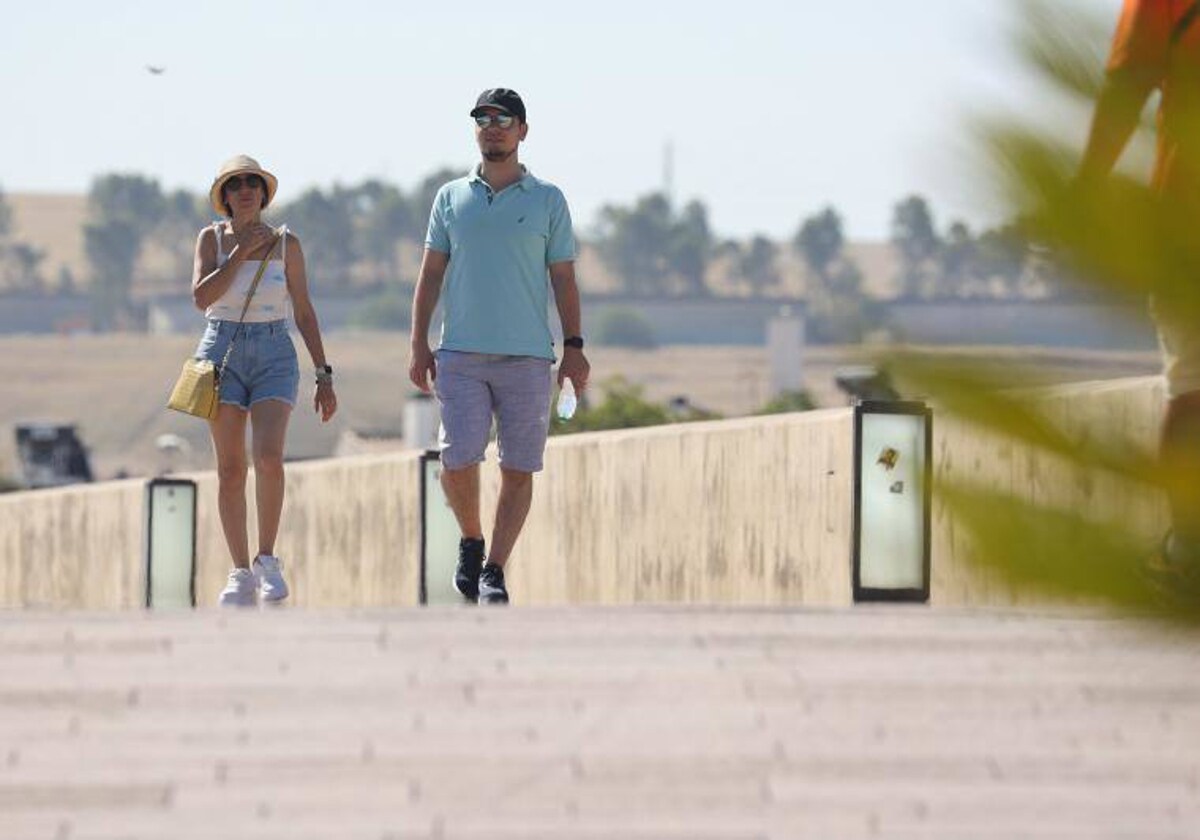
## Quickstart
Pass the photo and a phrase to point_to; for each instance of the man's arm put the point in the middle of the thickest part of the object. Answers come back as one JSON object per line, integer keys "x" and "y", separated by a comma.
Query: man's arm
{"x": 421, "y": 367}
{"x": 574, "y": 364}
{"x": 1136, "y": 65}
{"x": 1118, "y": 110}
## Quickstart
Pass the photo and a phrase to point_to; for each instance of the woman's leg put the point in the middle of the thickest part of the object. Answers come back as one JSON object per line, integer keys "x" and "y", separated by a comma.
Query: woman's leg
{"x": 229, "y": 442}
{"x": 268, "y": 422}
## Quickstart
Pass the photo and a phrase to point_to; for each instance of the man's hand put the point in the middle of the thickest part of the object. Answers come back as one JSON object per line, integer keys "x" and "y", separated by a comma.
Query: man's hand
{"x": 574, "y": 366}
{"x": 422, "y": 369}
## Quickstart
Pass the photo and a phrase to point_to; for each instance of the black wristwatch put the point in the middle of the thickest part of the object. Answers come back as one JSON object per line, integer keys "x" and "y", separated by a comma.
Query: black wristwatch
{"x": 575, "y": 341}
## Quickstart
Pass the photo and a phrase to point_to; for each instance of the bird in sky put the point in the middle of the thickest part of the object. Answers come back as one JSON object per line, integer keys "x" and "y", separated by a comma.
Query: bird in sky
{"x": 157, "y": 71}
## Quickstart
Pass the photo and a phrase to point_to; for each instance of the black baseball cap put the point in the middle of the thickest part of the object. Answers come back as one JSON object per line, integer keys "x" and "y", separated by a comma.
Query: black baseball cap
{"x": 503, "y": 99}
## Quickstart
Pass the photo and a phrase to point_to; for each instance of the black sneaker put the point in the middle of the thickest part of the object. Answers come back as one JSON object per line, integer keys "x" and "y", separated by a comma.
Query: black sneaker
{"x": 466, "y": 573}
{"x": 1174, "y": 574}
{"x": 491, "y": 585}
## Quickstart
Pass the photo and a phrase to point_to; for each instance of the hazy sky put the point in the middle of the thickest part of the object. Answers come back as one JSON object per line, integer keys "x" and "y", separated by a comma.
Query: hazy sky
{"x": 773, "y": 108}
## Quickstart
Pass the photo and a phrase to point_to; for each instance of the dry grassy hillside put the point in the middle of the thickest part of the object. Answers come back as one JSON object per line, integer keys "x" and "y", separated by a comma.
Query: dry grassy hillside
{"x": 115, "y": 386}
{"x": 52, "y": 223}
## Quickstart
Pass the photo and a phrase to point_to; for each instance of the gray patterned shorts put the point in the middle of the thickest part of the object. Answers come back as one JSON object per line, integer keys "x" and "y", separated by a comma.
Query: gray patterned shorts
{"x": 474, "y": 387}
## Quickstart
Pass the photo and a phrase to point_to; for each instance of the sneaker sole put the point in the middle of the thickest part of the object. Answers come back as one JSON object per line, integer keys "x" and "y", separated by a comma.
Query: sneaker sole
{"x": 234, "y": 605}
{"x": 263, "y": 596}
{"x": 270, "y": 599}
{"x": 471, "y": 599}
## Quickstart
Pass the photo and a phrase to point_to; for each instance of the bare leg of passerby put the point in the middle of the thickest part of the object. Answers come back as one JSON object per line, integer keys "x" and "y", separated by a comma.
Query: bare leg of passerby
{"x": 461, "y": 487}
{"x": 462, "y": 493}
{"x": 229, "y": 443}
{"x": 269, "y": 421}
{"x": 1180, "y": 451}
{"x": 516, "y": 493}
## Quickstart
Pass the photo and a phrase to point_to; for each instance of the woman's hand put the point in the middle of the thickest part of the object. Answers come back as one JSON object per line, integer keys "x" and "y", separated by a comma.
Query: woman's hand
{"x": 325, "y": 401}
{"x": 254, "y": 238}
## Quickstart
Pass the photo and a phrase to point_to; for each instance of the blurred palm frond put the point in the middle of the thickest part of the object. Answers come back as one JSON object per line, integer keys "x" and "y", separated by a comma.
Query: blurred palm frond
{"x": 1066, "y": 555}
{"x": 1067, "y": 537}
{"x": 1066, "y": 48}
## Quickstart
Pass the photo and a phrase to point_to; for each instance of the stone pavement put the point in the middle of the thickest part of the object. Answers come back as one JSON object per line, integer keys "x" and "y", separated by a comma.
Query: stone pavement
{"x": 647, "y": 723}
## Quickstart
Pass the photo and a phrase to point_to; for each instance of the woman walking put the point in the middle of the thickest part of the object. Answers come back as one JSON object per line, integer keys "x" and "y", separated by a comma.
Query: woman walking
{"x": 261, "y": 378}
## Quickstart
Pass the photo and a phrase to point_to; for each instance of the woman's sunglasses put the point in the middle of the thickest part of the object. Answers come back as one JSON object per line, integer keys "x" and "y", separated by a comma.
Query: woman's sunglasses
{"x": 237, "y": 182}
{"x": 502, "y": 120}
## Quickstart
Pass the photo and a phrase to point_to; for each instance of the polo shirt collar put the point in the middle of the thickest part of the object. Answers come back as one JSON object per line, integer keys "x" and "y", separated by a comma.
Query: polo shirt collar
{"x": 524, "y": 183}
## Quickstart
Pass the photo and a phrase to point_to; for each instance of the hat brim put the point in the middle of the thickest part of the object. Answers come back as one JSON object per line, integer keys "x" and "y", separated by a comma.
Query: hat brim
{"x": 478, "y": 109}
{"x": 214, "y": 194}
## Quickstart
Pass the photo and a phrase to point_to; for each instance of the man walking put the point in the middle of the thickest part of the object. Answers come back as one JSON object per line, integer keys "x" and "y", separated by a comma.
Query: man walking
{"x": 1157, "y": 47}
{"x": 494, "y": 238}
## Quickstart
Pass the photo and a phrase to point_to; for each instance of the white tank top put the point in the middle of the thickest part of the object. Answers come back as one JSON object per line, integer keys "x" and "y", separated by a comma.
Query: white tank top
{"x": 270, "y": 302}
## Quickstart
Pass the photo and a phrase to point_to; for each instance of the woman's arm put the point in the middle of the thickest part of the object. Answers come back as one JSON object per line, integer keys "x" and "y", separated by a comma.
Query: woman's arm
{"x": 209, "y": 281}
{"x": 324, "y": 400}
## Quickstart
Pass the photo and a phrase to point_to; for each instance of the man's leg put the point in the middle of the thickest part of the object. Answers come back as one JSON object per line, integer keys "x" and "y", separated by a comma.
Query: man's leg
{"x": 466, "y": 407}
{"x": 516, "y": 493}
{"x": 522, "y": 389}
{"x": 462, "y": 492}
{"x": 1180, "y": 453}
{"x": 461, "y": 487}
{"x": 466, "y": 415}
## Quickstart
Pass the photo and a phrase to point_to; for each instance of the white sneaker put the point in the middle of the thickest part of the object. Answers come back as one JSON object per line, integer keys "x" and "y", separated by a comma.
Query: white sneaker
{"x": 268, "y": 572}
{"x": 241, "y": 590}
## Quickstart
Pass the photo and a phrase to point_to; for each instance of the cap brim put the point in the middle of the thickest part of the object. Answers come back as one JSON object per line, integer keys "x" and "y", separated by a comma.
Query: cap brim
{"x": 478, "y": 109}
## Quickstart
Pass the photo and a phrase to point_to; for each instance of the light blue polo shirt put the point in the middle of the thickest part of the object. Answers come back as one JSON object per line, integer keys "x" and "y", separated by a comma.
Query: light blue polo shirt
{"x": 495, "y": 295}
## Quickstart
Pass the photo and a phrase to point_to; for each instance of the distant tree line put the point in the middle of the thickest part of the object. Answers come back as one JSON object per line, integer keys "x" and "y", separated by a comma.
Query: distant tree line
{"x": 355, "y": 235}
{"x": 123, "y": 213}
{"x": 995, "y": 264}
{"x": 20, "y": 262}
{"x": 344, "y": 229}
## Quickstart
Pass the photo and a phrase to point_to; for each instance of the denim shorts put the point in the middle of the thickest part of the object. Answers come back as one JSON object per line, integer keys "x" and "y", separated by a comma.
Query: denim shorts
{"x": 262, "y": 366}
{"x": 471, "y": 387}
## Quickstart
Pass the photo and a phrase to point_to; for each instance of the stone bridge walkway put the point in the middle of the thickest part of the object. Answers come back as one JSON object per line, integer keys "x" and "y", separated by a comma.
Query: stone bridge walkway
{"x": 647, "y": 723}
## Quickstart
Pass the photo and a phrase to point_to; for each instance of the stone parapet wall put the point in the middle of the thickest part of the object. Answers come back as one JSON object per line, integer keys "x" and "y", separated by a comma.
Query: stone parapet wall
{"x": 747, "y": 511}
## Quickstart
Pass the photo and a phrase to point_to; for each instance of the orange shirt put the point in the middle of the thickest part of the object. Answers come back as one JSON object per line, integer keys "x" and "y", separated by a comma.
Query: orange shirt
{"x": 1143, "y": 44}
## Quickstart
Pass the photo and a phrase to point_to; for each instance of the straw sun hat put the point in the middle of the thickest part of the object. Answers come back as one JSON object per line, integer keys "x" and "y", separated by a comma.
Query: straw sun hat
{"x": 239, "y": 165}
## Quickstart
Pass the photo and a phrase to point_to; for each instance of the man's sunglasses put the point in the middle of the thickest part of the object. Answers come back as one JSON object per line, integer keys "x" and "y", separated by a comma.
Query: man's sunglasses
{"x": 501, "y": 120}
{"x": 237, "y": 182}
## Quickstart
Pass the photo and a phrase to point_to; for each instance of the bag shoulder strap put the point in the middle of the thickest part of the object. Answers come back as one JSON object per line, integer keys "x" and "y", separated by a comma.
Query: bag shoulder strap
{"x": 262, "y": 266}
{"x": 1184, "y": 23}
